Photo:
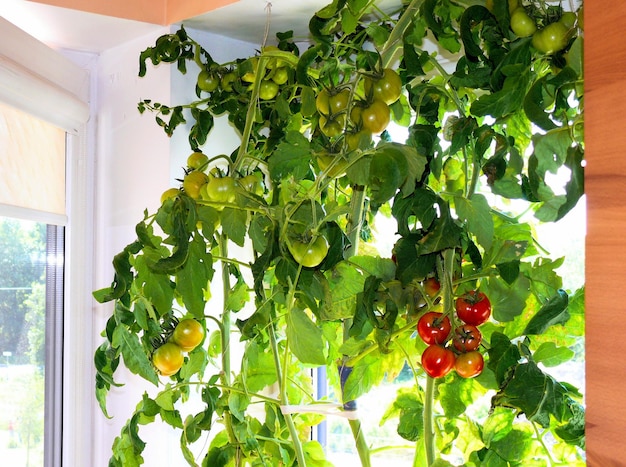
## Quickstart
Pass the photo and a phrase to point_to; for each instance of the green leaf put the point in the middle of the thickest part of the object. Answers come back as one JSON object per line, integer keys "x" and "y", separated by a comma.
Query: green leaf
{"x": 411, "y": 415}
{"x": 504, "y": 102}
{"x": 551, "y": 355}
{"x": 515, "y": 445}
{"x": 239, "y": 295}
{"x": 291, "y": 158}
{"x": 365, "y": 374}
{"x": 234, "y": 222}
{"x": 192, "y": 280}
{"x": 477, "y": 213}
{"x": 305, "y": 338}
{"x": 258, "y": 368}
{"x": 551, "y": 313}
{"x": 507, "y": 300}
{"x": 498, "y": 425}
{"x": 344, "y": 282}
{"x": 383, "y": 268}
{"x": 134, "y": 355}
{"x": 314, "y": 454}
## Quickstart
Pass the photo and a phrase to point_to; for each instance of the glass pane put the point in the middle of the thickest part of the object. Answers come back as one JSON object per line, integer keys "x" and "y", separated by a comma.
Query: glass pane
{"x": 22, "y": 341}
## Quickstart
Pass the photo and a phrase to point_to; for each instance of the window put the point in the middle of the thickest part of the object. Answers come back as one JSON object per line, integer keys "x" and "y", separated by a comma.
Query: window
{"x": 44, "y": 362}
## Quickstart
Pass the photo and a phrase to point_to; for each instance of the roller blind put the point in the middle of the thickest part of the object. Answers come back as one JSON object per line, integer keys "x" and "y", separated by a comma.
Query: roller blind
{"x": 43, "y": 97}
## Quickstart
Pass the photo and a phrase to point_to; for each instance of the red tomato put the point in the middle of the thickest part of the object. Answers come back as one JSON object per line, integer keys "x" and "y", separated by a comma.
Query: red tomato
{"x": 434, "y": 328}
{"x": 437, "y": 361}
{"x": 473, "y": 308}
{"x": 469, "y": 364}
{"x": 466, "y": 338}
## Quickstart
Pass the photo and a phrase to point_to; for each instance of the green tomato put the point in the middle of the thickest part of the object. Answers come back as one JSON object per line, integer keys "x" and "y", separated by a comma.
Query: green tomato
{"x": 208, "y": 81}
{"x": 168, "y": 359}
{"x": 194, "y": 182}
{"x": 188, "y": 334}
{"x": 550, "y": 39}
{"x": 332, "y": 127}
{"x": 268, "y": 90}
{"x": 197, "y": 160}
{"x": 309, "y": 254}
{"x": 387, "y": 88}
{"x": 522, "y": 24}
{"x": 226, "y": 83}
{"x": 280, "y": 75}
{"x": 374, "y": 118}
{"x": 568, "y": 19}
{"x": 330, "y": 102}
{"x": 252, "y": 184}
{"x": 222, "y": 190}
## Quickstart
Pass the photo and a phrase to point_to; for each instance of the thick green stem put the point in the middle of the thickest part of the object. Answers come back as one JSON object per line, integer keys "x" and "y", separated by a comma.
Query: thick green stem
{"x": 281, "y": 377}
{"x": 361, "y": 444}
{"x": 225, "y": 330}
{"x": 429, "y": 422}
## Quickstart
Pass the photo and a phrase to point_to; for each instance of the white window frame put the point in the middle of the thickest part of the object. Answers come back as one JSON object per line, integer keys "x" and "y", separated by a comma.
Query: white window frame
{"x": 38, "y": 80}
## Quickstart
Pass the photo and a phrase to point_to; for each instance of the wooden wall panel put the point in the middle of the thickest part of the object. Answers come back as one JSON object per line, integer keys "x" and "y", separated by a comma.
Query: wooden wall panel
{"x": 605, "y": 178}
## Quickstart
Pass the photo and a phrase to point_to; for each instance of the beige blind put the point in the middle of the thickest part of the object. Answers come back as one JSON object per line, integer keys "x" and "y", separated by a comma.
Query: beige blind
{"x": 32, "y": 166}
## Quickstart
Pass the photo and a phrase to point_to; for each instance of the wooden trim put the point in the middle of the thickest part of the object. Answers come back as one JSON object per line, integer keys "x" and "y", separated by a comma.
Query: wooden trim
{"x": 163, "y": 12}
{"x": 605, "y": 180}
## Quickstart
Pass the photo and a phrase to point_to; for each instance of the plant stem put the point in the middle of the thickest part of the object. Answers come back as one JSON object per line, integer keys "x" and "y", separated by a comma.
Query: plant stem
{"x": 429, "y": 428}
{"x": 281, "y": 378}
{"x": 225, "y": 329}
{"x": 361, "y": 444}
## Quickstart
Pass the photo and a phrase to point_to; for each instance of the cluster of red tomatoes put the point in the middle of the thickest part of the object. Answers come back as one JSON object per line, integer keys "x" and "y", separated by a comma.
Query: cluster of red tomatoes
{"x": 366, "y": 116}
{"x": 169, "y": 357}
{"x": 461, "y": 351}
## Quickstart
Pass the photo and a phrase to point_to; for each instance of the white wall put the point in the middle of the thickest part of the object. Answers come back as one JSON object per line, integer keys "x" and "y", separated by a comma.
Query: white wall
{"x": 135, "y": 163}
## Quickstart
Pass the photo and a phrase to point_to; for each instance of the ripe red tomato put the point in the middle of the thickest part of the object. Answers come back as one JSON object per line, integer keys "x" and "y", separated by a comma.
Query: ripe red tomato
{"x": 434, "y": 328}
{"x": 473, "y": 308}
{"x": 469, "y": 364}
{"x": 188, "y": 334}
{"x": 168, "y": 359}
{"x": 437, "y": 361}
{"x": 466, "y": 338}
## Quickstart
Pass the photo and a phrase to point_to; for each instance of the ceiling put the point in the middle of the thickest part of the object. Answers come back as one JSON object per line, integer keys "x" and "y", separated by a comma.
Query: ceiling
{"x": 78, "y": 30}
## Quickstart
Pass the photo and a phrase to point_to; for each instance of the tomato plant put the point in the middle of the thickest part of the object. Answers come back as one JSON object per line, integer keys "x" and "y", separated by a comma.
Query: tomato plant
{"x": 473, "y": 308}
{"x": 433, "y": 115}
{"x": 434, "y": 328}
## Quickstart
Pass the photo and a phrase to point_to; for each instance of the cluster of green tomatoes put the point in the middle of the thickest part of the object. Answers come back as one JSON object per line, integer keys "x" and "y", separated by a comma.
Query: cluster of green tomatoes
{"x": 276, "y": 74}
{"x": 459, "y": 350}
{"x": 169, "y": 357}
{"x": 551, "y": 38}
